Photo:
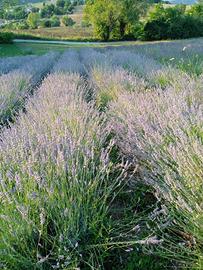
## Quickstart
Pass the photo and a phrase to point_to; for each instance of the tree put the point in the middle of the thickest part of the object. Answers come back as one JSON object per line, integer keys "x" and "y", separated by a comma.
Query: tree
{"x": 113, "y": 18}
{"x": 48, "y": 11}
{"x": 60, "y": 3}
{"x": 33, "y": 20}
{"x": 103, "y": 15}
{"x": 196, "y": 10}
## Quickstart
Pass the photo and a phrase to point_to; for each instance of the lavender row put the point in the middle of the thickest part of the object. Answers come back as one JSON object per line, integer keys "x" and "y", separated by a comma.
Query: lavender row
{"x": 56, "y": 177}
{"x": 17, "y": 85}
{"x": 160, "y": 133}
{"x": 10, "y": 63}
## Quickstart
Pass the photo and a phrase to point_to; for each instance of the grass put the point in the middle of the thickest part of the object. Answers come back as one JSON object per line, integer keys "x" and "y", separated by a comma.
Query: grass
{"x": 21, "y": 48}
{"x": 11, "y": 50}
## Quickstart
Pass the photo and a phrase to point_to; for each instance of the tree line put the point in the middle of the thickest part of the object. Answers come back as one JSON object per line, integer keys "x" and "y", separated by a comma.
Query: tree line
{"x": 143, "y": 19}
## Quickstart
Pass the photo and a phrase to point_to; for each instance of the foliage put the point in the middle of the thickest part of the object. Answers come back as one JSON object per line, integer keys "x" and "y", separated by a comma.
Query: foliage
{"x": 33, "y": 20}
{"x": 55, "y": 21}
{"x": 197, "y": 11}
{"x": 6, "y": 37}
{"x": 45, "y": 23}
{"x": 168, "y": 23}
{"x": 16, "y": 13}
{"x": 67, "y": 21}
{"x": 113, "y": 19}
{"x": 7, "y": 3}
{"x": 47, "y": 11}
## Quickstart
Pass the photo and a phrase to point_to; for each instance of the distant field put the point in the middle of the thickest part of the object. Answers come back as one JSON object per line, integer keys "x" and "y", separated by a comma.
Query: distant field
{"x": 63, "y": 33}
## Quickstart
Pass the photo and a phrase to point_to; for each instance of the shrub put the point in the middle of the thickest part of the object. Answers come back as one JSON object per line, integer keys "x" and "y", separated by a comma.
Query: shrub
{"x": 33, "y": 20}
{"x": 67, "y": 21}
{"x": 161, "y": 132}
{"x": 6, "y": 37}
{"x": 45, "y": 23}
{"x": 22, "y": 25}
{"x": 61, "y": 210}
{"x": 155, "y": 30}
{"x": 17, "y": 84}
{"x": 55, "y": 21}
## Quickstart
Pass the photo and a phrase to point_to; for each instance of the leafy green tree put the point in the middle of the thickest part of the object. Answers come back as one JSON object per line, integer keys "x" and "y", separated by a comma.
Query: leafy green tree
{"x": 20, "y": 13}
{"x": 33, "y": 20}
{"x": 197, "y": 10}
{"x": 112, "y": 18}
{"x": 45, "y": 23}
{"x": 47, "y": 11}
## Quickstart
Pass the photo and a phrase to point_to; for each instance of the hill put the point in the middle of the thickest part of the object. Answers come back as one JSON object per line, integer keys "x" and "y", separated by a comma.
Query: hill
{"x": 34, "y": 1}
{"x": 186, "y": 2}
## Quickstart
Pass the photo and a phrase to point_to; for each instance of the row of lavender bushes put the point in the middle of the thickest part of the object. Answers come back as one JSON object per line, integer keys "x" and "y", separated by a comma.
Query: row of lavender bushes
{"x": 19, "y": 76}
{"x": 157, "y": 122}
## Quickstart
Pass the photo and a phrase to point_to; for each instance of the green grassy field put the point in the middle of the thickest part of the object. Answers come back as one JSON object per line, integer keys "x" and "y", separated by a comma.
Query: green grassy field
{"x": 7, "y": 50}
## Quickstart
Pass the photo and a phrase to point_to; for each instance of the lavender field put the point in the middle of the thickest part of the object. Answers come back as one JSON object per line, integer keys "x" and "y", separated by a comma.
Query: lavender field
{"x": 101, "y": 158}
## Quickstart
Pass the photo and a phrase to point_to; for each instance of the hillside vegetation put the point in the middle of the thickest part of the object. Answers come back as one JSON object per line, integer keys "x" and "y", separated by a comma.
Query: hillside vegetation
{"x": 104, "y": 20}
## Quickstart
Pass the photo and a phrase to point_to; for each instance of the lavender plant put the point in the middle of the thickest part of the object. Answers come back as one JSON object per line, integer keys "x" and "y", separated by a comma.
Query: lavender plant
{"x": 109, "y": 82}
